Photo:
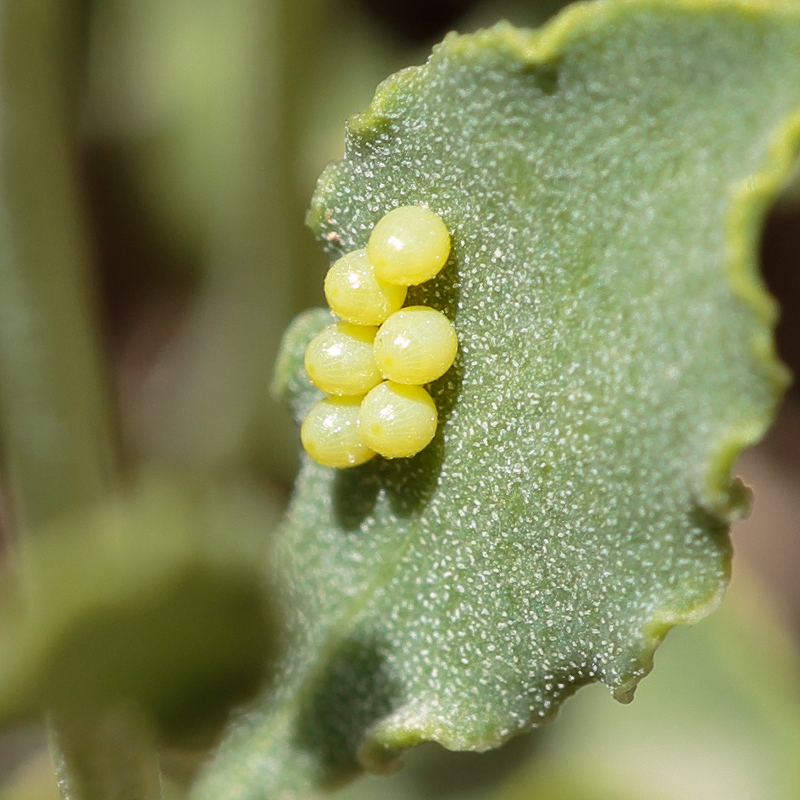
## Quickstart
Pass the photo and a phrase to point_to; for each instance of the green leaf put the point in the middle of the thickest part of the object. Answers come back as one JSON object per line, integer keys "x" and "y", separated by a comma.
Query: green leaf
{"x": 724, "y": 704}
{"x": 603, "y": 180}
{"x": 156, "y": 599}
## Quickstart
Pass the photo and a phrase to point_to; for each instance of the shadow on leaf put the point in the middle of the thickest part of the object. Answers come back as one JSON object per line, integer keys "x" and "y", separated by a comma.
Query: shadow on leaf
{"x": 355, "y": 691}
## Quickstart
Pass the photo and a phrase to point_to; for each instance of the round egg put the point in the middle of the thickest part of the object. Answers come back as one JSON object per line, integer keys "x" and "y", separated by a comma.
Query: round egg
{"x": 415, "y": 345}
{"x": 409, "y": 245}
{"x": 396, "y": 420}
{"x": 330, "y": 433}
{"x": 339, "y": 360}
{"x": 355, "y": 293}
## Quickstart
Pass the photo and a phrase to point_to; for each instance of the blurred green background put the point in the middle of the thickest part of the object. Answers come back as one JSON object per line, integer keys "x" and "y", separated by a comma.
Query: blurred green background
{"x": 197, "y": 131}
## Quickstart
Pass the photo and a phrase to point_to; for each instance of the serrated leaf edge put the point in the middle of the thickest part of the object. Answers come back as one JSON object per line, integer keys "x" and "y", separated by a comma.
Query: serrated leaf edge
{"x": 749, "y": 201}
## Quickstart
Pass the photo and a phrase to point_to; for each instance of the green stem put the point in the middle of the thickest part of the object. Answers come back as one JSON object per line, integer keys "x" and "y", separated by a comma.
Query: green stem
{"x": 94, "y": 757}
{"x": 216, "y": 410}
{"x": 55, "y": 417}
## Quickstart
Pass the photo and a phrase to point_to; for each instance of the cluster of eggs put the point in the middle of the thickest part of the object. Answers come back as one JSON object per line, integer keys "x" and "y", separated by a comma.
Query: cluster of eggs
{"x": 374, "y": 363}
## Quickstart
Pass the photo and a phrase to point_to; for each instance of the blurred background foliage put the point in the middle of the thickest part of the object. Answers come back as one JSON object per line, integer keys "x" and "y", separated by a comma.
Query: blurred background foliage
{"x": 196, "y": 132}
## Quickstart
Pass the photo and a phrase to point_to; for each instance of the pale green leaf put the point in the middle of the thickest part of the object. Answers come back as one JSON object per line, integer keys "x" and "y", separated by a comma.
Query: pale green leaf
{"x": 603, "y": 181}
{"x": 156, "y": 599}
{"x": 718, "y": 720}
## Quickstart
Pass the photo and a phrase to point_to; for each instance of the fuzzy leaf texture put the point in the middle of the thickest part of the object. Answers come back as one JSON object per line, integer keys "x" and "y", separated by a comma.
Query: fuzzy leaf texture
{"x": 604, "y": 180}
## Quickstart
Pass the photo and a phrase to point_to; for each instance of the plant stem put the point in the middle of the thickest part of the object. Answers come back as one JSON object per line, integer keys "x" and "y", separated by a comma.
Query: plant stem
{"x": 55, "y": 417}
{"x": 94, "y": 757}
{"x": 214, "y": 409}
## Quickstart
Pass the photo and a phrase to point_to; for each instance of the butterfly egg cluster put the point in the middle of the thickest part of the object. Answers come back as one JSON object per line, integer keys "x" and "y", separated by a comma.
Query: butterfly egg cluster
{"x": 374, "y": 363}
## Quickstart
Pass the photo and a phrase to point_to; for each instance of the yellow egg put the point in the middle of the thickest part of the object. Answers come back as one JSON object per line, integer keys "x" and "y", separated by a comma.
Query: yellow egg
{"x": 409, "y": 245}
{"x": 330, "y": 433}
{"x": 339, "y": 359}
{"x": 355, "y": 293}
{"x": 415, "y": 345}
{"x": 397, "y": 421}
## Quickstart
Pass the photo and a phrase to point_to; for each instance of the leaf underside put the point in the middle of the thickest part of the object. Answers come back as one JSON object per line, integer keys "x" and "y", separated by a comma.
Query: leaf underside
{"x": 603, "y": 180}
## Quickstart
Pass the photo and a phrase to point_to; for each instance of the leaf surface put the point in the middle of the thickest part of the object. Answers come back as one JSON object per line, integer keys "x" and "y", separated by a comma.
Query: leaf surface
{"x": 724, "y": 703}
{"x": 603, "y": 180}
